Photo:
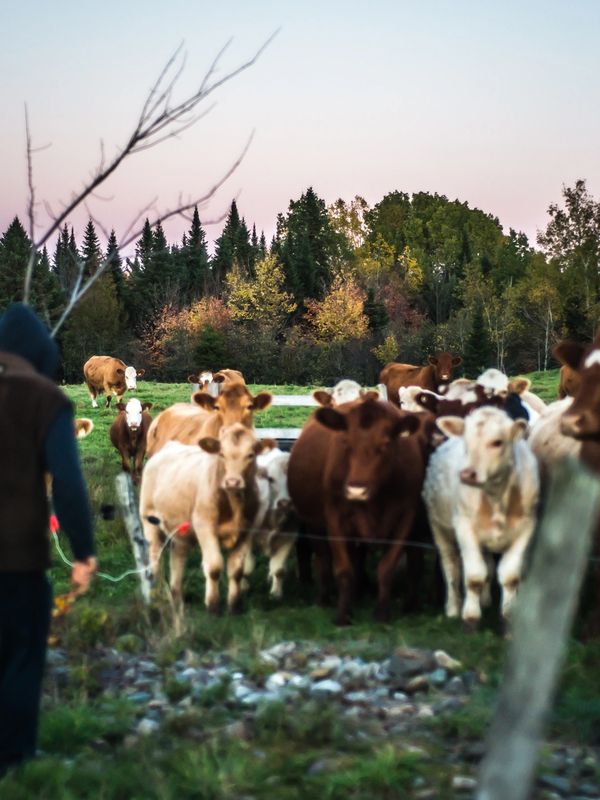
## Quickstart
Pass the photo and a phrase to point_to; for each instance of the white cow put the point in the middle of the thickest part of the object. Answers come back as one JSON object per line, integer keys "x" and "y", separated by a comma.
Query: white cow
{"x": 212, "y": 487}
{"x": 273, "y": 525}
{"x": 481, "y": 492}
{"x": 547, "y": 441}
{"x": 345, "y": 391}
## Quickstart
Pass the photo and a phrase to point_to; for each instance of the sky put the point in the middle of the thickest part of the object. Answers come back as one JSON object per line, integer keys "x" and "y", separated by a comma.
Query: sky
{"x": 492, "y": 103}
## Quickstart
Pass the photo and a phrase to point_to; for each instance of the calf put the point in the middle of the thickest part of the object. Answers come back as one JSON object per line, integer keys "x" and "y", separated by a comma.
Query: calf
{"x": 371, "y": 490}
{"x": 274, "y": 527}
{"x": 187, "y": 422}
{"x": 109, "y": 376}
{"x": 345, "y": 391}
{"x": 129, "y": 433}
{"x": 214, "y": 382}
{"x": 481, "y": 492}
{"x": 213, "y": 487}
{"x": 435, "y": 376}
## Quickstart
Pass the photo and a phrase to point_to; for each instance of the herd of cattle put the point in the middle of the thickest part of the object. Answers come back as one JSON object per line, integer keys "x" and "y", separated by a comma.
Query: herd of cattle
{"x": 457, "y": 461}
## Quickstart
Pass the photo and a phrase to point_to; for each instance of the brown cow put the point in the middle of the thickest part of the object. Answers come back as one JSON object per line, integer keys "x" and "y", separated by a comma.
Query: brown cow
{"x": 569, "y": 382}
{"x": 128, "y": 434}
{"x": 108, "y": 375}
{"x": 370, "y": 488}
{"x": 435, "y": 376}
{"x": 187, "y": 422}
{"x": 581, "y": 420}
{"x": 214, "y": 382}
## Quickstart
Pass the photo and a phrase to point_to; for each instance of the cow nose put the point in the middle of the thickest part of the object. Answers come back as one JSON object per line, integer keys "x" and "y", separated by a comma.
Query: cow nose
{"x": 284, "y": 504}
{"x": 357, "y": 493}
{"x": 233, "y": 483}
{"x": 468, "y": 475}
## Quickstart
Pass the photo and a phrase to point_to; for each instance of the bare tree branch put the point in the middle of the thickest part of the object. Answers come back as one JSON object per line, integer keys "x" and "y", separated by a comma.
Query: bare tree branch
{"x": 158, "y": 121}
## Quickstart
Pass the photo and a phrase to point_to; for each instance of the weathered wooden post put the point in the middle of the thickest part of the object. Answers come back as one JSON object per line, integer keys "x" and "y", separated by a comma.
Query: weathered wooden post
{"x": 129, "y": 508}
{"x": 542, "y": 621}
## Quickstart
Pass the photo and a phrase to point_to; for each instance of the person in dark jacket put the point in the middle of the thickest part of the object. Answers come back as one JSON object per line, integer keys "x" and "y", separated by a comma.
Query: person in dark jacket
{"x": 36, "y": 437}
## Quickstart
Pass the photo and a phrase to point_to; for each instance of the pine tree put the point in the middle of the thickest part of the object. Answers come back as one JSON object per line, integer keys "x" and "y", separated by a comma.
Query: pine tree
{"x": 90, "y": 250}
{"x": 115, "y": 262}
{"x": 66, "y": 260}
{"x": 195, "y": 254}
{"x": 478, "y": 348}
{"x": 232, "y": 246}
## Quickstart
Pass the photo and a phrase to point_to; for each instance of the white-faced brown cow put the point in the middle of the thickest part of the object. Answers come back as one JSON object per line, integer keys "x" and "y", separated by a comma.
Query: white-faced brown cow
{"x": 435, "y": 376}
{"x": 274, "y": 528}
{"x": 128, "y": 434}
{"x": 213, "y": 487}
{"x": 481, "y": 492}
{"x": 109, "y": 376}
{"x": 187, "y": 422}
{"x": 213, "y": 383}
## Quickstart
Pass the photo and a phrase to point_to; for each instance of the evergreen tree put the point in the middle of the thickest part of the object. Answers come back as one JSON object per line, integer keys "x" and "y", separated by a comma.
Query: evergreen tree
{"x": 91, "y": 253}
{"x": 66, "y": 260}
{"x": 478, "y": 348}
{"x": 195, "y": 254}
{"x": 115, "y": 262}
{"x": 262, "y": 246}
{"x": 375, "y": 311}
{"x": 233, "y": 245}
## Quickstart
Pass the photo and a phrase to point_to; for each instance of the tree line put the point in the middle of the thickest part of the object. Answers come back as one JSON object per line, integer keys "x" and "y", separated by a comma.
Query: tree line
{"x": 338, "y": 291}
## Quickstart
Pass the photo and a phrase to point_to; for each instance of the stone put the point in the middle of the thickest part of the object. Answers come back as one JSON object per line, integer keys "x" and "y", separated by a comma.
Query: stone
{"x": 240, "y": 691}
{"x": 277, "y": 680}
{"x": 445, "y": 661}
{"x": 588, "y": 790}
{"x": 360, "y": 698}
{"x": 327, "y": 688}
{"x": 140, "y": 697}
{"x": 147, "y": 726}
{"x": 407, "y": 662}
{"x": 456, "y": 686}
{"x": 417, "y": 684}
{"x": 463, "y": 783}
{"x": 555, "y": 783}
{"x": 438, "y": 677}
{"x": 425, "y": 712}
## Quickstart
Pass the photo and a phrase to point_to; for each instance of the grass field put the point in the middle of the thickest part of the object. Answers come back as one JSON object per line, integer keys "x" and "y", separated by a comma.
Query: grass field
{"x": 82, "y": 735}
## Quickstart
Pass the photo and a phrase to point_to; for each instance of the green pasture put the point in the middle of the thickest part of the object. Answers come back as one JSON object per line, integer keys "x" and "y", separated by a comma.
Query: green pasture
{"x": 86, "y": 754}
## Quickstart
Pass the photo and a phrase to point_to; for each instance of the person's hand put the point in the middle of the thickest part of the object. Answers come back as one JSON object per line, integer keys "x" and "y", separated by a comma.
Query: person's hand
{"x": 81, "y": 574}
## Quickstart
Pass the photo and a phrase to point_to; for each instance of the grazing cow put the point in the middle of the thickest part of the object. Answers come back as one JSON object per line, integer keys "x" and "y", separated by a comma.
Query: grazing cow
{"x": 345, "y": 391}
{"x": 481, "y": 492}
{"x": 275, "y": 525}
{"x": 128, "y": 434}
{"x": 435, "y": 376}
{"x": 108, "y": 375}
{"x": 372, "y": 478}
{"x": 187, "y": 422}
{"x": 213, "y": 487}
{"x": 569, "y": 381}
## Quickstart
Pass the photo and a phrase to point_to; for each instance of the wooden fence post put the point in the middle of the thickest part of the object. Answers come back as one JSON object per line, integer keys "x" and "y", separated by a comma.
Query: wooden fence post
{"x": 129, "y": 508}
{"x": 542, "y": 622}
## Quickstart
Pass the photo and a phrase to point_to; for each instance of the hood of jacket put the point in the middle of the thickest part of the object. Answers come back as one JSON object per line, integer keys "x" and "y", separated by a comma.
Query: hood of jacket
{"x": 23, "y": 333}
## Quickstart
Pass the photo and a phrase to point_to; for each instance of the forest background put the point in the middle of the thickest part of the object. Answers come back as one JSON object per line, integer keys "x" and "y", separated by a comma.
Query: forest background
{"x": 339, "y": 291}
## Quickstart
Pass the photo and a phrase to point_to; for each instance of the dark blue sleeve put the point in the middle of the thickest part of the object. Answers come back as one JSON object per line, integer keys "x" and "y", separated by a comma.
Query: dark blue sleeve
{"x": 69, "y": 491}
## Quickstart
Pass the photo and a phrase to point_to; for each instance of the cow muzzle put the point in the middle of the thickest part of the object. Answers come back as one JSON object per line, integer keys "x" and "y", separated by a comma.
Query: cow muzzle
{"x": 357, "y": 494}
{"x": 233, "y": 484}
{"x": 469, "y": 476}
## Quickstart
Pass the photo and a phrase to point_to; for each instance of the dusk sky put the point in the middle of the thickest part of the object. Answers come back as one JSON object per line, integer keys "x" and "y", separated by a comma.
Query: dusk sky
{"x": 496, "y": 104}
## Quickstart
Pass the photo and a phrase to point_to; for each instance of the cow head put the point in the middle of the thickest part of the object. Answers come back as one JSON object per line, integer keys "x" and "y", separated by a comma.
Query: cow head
{"x": 488, "y": 435}
{"x": 369, "y": 433}
{"x": 133, "y": 411}
{"x": 83, "y": 427}
{"x": 443, "y": 364}
{"x": 494, "y": 383}
{"x": 345, "y": 391}
{"x": 237, "y": 447}
{"x": 274, "y": 464}
{"x": 131, "y": 376}
{"x": 234, "y": 404}
{"x": 582, "y": 419}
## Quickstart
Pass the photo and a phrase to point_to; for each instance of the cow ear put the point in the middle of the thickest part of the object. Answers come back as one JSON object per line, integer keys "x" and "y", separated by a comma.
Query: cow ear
{"x": 432, "y": 360}
{"x": 519, "y": 385}
{"x": 210, "y": 445}
{"x": 140, "y": 373}
{"x": 569, "y": 353}
{"x": 83, "y": 427}
{"x": 428, "y": 401}
{"x": 120, "y": 371}
{"x": 217, "y": 377}
{"x": 322, "y": 397}
{"x": 262, "y": 401}
{"x": 406, "y": 426}
{"x": 518, "y": 429}
{"x": 147, "y": 406}
{"x": 451, "y": 426}
{"x": 456, "y": 361}
{"x": 267, "y": 444}
{"x": 121, "y": 406}
{"x": 332, "y": 419}
{"x": 370, "y": 395}
{"x": 193, "y": 378}
{"x": 204, "y": 400}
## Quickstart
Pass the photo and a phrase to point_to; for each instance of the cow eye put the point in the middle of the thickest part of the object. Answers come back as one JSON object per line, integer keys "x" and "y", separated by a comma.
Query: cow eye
{"x": 497, "y": 443}
{"x": 271, "y": 480}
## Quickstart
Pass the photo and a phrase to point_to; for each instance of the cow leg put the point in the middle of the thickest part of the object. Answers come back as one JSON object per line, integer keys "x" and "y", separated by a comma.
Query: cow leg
{"x": 179, "y": 550}
{"x": 152, "y": 536}
{"x": 486, "y": 592}
{"x": 450, "y": 558}
{"x": 249, "y": 564}
{"x": 235, "y": 573}
{"x": 212, "y": 562}
{"x": 510, "y": 568}
{"x": 475, "y": 571}
{"x": 93, "y": 395}
{"x": 138, "y": 465}
{"x": 108, "y": 395}
{"x": 342, "y": 567}
{"x": 277, "y": 564}
{"x": 387, "y": 567}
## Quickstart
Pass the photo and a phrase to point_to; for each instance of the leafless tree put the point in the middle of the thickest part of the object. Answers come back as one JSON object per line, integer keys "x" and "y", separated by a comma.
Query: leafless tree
{"x": 161, "y": 118}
